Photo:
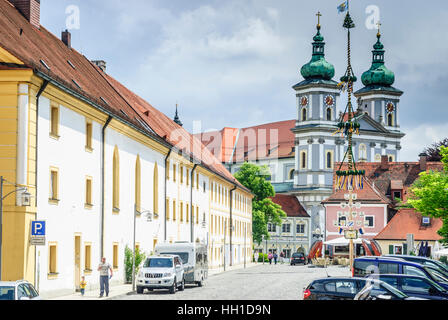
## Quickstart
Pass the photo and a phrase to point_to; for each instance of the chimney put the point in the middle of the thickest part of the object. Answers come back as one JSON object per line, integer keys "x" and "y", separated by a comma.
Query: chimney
{"x": 66, "y": 37}
{"x": 101, "y": 64}
{"x": 384, "y": 163}
{"x": 30, "y": 9}
{"x": 423, "y": 159}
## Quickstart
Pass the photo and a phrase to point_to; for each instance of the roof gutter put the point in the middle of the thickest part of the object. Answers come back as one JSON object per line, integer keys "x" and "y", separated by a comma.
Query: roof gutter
{"x": 231, "y": 224}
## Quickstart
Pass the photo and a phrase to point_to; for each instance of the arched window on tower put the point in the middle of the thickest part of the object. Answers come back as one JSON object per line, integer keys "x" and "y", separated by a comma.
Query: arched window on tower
{"x": 329, "y": 160}
{"x": 303, "y": 162}
{"x": 329, "y": 114}
{"x": 304, "y": 114}
{"x": 390, "y": 119}
{"x": 291, "y": 174}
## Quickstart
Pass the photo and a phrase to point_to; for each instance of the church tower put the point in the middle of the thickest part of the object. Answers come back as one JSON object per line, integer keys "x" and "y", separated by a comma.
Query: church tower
{"x": 378, "y": 98}
{"x": 316, "y": 146}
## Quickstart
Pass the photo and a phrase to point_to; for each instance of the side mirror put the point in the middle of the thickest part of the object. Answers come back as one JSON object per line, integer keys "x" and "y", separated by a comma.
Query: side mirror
{"x": 384, "y": 297}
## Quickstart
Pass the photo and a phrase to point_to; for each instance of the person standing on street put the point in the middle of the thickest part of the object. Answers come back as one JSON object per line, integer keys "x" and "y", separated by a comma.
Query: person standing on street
{"x": 270, "y": 256}
{"x": 275, "y": 257}
{"x": 282, "y": 257}
{"x": 104, "y": 268}
{"x": 256, "y": 257}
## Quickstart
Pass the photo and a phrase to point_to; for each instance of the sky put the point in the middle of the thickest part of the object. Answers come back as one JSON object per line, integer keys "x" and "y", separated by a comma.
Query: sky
{"x": 233, "y": 63}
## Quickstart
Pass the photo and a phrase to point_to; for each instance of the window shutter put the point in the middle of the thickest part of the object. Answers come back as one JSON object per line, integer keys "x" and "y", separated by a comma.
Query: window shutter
{"x": 405, "y": 248}
{"x": 391, "y": 249}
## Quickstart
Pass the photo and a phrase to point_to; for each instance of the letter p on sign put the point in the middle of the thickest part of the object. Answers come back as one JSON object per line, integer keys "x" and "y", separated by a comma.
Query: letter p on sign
{"x": 38, "y": 228}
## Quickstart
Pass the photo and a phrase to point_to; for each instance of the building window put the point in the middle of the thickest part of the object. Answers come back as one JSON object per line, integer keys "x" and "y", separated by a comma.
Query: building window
{"x": 391, "y": 158}
{"x": 362, "y": 152}
{"x": 197, "y": 181}
{"x": 54, "y": 185}
{"x": 167, "y": 209}
{"x": 89, "y": 139}
{"x": 390, "y": 119}
{"x": 329, "y": 114}
{"x": 272, "y": 227}
{"x": 181, "y": 174}
{"x": 304, "y": 114}
{"x": 187, "y": 174}
{"x": 116, "y": 181}
{"x": 329, "y": 158}
{"x": 301, "y": 228}
{"x": 174, "y": 172}
{"x": 181, "y": 212}
{"x": 156, "y": 191}
{"x": 174, "y": 210}
{"x": 187, "y": 212}
{"x": 197, "y": 215}
{"x": 369, "y": 222}
{"x": 342, "y": 221}
{"x": 88, "y": 258}
{"x": 115, "y": 256}
{"x": 54, "y": 121}
{"x": 88, "y": 192}
{"x": 138, "y": 185}
{"x": 52, "y": 259}
{"x": 167, "y": 170}
{"x": 286, "y": 228}
{"x": 397, "y": 195}
{"x": 291, "y": 174}
{"x": 303, "y": 160}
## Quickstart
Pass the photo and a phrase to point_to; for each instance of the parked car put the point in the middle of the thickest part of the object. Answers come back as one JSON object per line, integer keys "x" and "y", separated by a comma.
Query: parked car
{"x": 298, "y": 258}
{"x": 443, "y": 268}
{"x": 18, "y": 290}
{"x": 347, "y": 288}
{"x": 372, "y": 291}
{"x": 416, "y": 286}
{"x": 391, "y": 265}
{"x": 161, "y": 272}
{"x": 194, "y": 259}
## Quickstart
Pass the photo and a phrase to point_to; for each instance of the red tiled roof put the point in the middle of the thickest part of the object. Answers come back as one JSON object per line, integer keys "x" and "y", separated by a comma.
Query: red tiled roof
{"x": 409, "y": 221}
{"x": 270, "y": 140}
{"x": 38, "y": 47}
{"x": 369, "y": 194}
{"x": 290, "y": 205}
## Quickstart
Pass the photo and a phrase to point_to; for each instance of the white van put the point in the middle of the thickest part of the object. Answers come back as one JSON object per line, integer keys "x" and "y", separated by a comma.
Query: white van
{"x": 194, "y": 258}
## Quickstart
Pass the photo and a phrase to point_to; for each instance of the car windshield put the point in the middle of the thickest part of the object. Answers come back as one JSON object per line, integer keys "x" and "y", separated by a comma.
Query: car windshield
{"x": 6, "y": 293}
{"x": 439, "y": 277}
{"x": 158, "y": 263}
{"x": 397, "y": 292}
{"x": 182, "y": 255}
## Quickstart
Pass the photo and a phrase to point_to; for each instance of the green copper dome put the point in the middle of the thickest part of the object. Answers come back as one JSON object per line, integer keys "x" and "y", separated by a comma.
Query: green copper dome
{"x": 318, "y": 67}
{"x": 378, "y": 74}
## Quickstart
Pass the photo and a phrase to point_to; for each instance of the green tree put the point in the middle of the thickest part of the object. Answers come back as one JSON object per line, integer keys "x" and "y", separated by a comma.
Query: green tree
{"x": 429, "y": 194}
{"x": 264, "y": 210}
{"x": 128, "y": 257}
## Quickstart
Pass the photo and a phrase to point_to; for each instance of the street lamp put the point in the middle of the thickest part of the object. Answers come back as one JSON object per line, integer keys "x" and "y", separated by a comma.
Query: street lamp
{"x": 149, "y": 217}
{"x": 25, "y": 202}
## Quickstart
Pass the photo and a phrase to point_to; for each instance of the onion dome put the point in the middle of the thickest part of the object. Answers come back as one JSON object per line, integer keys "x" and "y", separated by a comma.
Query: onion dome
{"x": 378, "y": 74}
{"x": 318, "y": 67}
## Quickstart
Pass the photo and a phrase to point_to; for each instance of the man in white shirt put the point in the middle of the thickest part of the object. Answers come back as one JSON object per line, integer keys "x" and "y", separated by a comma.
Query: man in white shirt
{"x": 104, "y": 268}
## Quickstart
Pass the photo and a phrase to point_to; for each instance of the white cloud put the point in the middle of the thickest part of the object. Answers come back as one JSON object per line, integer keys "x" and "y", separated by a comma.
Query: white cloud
{"x": 417, "y": 139}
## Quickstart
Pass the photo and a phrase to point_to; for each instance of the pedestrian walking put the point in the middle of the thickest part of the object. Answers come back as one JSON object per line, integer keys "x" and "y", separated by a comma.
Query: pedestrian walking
{"x": 282, "y": 257}
{"x": 270, "y": 256}
{"x": 104, "y": 268}
{"x": 275, "y": 257}
{"x": 83, "y": 285}
{"x": 256, "y": 257}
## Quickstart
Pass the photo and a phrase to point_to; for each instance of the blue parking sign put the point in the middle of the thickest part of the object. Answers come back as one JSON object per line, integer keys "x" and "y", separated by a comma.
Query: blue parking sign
{"x": 38, "y": 228}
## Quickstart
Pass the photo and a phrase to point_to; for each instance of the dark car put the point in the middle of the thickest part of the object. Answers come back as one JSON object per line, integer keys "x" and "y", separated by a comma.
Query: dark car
{"x": 387, "y": 265}
{"x": 415, "y": 286}
{"x": 347, "y": 288}
{"x": 443, "y": 268}
{"x": 298, "y": 258}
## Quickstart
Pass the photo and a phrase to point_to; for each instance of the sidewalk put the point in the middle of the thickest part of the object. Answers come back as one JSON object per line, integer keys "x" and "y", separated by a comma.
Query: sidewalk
{"x": 119, "y": 290}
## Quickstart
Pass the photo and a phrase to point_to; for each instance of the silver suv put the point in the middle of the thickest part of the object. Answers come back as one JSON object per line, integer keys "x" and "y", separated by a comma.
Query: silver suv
{"x": 161, "y": 272}
{"x": 18, "y": 290}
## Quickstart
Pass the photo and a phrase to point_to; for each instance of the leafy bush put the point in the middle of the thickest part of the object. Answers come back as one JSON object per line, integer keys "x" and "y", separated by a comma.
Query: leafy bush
{"x": 128, "y": 255}
{"x": 444, "y": 259}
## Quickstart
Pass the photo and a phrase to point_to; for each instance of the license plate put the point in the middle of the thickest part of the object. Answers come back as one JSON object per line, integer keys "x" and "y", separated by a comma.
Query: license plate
{"x": 152, "y": 282}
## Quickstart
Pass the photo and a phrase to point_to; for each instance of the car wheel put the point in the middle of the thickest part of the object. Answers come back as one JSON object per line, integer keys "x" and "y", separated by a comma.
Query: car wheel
{"x": 140, "y": 290}
{"x": 182, "y": 286}
{"x": 173, "y": 287}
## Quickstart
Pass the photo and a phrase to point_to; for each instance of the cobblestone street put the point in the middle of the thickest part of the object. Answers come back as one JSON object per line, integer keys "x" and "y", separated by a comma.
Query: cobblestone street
{"x": 261, "y": 282}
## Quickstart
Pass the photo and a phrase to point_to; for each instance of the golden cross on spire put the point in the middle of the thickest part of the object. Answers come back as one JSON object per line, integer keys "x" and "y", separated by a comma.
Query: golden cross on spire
{"x": 379, "y": 25}
{"x": 318, "y": 18}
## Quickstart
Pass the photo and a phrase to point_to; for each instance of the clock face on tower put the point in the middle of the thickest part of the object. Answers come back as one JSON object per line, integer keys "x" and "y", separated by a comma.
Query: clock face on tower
{"x": 390, "y": 107}
{"x": 304, "y": 101}
{"x": 329, "y": 101}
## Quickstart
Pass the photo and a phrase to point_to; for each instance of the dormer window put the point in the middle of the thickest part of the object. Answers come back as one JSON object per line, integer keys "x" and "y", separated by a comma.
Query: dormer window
{"x": 426, "y": 221}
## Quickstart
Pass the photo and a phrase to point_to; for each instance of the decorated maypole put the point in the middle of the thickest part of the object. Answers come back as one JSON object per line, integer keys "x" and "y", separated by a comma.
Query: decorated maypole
{"x": 350, "y": 179}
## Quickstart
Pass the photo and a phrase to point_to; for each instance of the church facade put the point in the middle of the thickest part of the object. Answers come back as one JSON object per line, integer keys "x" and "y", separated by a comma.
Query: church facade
{"x": 302, "y": 161}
